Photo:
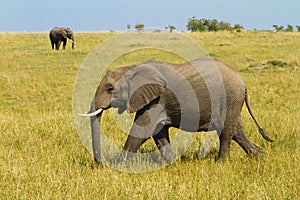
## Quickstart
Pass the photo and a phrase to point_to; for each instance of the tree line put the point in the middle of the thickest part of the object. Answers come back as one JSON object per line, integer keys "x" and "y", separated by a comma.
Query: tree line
{"x": 289, "y": 28}
{"x": 140, "y": 28}
{"x": 208, "y": 25}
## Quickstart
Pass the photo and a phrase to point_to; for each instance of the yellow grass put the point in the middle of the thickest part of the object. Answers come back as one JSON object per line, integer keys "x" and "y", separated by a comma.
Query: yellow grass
{"x": 42, "y": 156}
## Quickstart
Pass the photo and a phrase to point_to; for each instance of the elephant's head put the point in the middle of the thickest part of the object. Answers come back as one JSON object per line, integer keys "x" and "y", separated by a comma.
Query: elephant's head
{"x": 129, "y": 88}
{"x": 68, "y": 33}
{"x": 126, "y": 88}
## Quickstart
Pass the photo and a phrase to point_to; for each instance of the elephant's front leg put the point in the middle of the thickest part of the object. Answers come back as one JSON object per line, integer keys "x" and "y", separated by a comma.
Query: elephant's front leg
{"x": 131, "y": 146}
{"x": 64, "y": 43}
{"x": 162, "y": 141}
{"x": 141, "y": 130}
{"x": 58, "y": 45}
{"x": 145, "y": 124}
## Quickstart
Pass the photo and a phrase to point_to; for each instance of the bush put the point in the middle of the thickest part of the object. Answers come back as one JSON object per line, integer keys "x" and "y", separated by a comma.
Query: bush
{"x": 207, "y": 25}
{"x": 273, "y": 65}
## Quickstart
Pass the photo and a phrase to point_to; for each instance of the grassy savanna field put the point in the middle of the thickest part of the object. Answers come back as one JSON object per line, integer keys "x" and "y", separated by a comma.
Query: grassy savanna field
{"x": 42, "y": 156}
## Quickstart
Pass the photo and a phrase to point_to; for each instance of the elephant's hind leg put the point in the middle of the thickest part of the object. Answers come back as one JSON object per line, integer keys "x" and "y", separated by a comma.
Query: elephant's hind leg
{"x": 243, "y": 141}
{"x": 225, "y": 142}
{"x": 230, "y": 126}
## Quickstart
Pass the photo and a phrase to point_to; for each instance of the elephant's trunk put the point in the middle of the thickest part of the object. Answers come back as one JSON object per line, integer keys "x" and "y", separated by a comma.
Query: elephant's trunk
{"x": 95, "y": 116}
{"x": 73, "y": 41}
{"x": 95, "y": 125}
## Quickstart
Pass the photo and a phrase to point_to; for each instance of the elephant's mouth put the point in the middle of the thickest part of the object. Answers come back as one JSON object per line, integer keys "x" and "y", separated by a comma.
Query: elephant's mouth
{"x": 121, "y": 105}
{"x": 121, "y": 110}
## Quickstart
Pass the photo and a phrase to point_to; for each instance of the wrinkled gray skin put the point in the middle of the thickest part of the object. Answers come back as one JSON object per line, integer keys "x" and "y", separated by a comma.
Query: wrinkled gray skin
{"x": 159, "y": 94}
{"x": 59, "y": 35}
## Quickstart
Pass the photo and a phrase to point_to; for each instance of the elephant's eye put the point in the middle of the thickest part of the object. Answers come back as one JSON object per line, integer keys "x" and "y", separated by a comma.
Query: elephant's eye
{"x": 110, "y": 88}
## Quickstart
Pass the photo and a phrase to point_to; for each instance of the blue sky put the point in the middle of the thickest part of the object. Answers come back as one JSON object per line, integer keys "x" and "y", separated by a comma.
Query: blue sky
{"x": 99, "y": 15}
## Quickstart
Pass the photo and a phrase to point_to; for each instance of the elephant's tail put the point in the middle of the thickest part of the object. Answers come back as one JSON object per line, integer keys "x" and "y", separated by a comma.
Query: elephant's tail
{"x": 260, "y": 128}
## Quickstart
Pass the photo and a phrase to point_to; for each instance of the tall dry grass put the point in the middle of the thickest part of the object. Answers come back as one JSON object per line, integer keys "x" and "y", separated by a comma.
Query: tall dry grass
{"x": 42, "y": 157}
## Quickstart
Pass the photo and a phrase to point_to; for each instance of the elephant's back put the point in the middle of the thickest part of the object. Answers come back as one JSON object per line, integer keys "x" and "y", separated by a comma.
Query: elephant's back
{"x": 55, "y": 29}
{"x": 234, "y": 85}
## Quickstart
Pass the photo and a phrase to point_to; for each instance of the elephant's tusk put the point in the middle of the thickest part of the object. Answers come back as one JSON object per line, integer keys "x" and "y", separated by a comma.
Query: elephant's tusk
{"x": 91, "y": 114}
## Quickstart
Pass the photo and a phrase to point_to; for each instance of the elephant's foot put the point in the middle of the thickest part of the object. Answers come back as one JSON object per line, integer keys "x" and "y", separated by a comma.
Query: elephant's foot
{"x": 225, "y": 142}
{"x": 167, "y": 153}
{"x": 125, "y": 156}
{"x": 224, "y": 152}
{"x": 223, "y": 157}
{"x": 254, "y": 150}
{"x": 244, "y": 142}
{"x": 248, "y": 147}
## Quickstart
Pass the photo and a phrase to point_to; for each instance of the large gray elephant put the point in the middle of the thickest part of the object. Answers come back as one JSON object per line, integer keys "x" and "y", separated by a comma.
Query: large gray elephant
{"x": 58, "y": 35}
{"x": 201, "y": 95}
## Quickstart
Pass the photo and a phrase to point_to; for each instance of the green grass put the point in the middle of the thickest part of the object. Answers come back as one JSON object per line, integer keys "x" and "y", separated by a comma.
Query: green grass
{"x": 42, "y": 156}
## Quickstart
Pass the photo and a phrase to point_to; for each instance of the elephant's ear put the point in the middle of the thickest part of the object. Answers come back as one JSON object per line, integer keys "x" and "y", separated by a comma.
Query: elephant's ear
{"x": 145, "y": 84}
{"x": 63, "y": 32}
{"x": 69, "y": 32}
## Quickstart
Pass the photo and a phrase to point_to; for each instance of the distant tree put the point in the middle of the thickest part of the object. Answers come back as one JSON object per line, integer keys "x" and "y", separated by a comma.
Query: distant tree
{"x": 298, "y": 28}
{"x": 128, "y": 27}
{"x": 278, "y": 28}
{"x": 170, "y": 28}
{"x": 201, "y": 25}
{"x": 192, "y": 24}
{"x": 289, "y": 28}
{"x": 139, "y": 27}
{"x": 195, "y": 25}
{"x": 224, "y": 26}
{"x": 212, "y": 25}
{"x": 238, "y": 27}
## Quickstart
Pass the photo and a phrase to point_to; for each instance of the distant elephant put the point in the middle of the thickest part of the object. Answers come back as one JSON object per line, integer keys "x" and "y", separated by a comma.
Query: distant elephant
{"x": 58, "y": 35}
{"x": 165, "y": 95}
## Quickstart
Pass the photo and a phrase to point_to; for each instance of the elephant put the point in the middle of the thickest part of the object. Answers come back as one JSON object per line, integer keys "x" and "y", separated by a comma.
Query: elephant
{"x": 58, "y": 35}
{"x": 186, "y": 96}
